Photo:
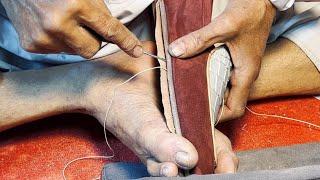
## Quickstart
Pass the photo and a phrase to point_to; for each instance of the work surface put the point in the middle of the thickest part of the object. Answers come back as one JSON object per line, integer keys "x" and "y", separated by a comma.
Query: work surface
{"x": 39, "y": 150}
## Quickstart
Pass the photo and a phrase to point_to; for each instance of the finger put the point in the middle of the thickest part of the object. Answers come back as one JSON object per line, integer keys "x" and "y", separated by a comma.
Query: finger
{"x": 236, "y": 102}
{"x": 165, "y": 169}
{"x": 227, "y": 162}
{"x": 218, "y": 31}
{"x": 114, "y": 31}
{"x": 82, "y": 42}
{"x": 241, "y": 81}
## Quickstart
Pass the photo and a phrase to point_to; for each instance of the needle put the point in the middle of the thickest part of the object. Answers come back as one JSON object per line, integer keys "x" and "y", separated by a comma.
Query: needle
{"x": 154, "y": 56}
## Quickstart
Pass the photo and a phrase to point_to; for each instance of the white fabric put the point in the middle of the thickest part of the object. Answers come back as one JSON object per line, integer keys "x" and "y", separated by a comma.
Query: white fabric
{"x": 125, "y": 11}
{"x": 307, "y": 35}
{"x": 282, "y": 5}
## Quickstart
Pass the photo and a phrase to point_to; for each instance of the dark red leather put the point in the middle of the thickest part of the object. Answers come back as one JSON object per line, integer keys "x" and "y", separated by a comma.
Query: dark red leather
{"x": 189, "y": 79}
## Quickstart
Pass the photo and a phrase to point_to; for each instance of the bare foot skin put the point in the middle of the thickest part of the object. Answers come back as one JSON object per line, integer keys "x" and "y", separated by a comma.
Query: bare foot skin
{"x": 135, "y": 118}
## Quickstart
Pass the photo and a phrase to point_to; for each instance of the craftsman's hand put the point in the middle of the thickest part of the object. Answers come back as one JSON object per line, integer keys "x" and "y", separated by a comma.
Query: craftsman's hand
{"x": 71, "y": 26}
{"x": 244, "y": 27}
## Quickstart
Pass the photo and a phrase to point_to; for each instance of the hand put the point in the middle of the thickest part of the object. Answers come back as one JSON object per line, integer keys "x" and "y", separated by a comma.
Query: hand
{"x": 71, "y": 26}
{"x": 244, "y": 27}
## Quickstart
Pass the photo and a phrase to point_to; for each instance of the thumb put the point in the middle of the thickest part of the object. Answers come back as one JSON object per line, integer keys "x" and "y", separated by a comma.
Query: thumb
{"x": 218, "y": 31}
{"x": 241, "y": 81}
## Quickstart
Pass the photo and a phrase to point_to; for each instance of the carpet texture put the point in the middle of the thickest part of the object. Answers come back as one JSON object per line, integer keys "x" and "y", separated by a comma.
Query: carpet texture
{"x": 39, "y": 150}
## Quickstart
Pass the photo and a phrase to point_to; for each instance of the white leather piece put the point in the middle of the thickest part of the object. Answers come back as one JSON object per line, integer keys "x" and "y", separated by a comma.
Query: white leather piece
{"x": 218, "y": 75}
{"x": 307, "y": 35}
{"x": 282, "y": 5}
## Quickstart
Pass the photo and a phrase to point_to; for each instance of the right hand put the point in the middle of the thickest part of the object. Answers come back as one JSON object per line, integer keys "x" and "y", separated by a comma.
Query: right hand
{"x": 71, "y": 26}
{"x": 244, "y": 27}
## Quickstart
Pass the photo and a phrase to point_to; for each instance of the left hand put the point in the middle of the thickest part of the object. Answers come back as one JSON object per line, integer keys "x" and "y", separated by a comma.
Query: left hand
{"x": 75, "y": 27}
{"x": 244, "y": 27}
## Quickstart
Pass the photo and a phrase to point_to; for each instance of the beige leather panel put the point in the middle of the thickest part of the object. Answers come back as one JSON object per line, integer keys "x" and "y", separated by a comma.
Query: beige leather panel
{"x": 163, "y": 75}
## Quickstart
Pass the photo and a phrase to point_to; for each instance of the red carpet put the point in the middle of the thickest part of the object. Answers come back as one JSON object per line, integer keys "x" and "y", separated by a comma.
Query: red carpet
{"x": 40, "y": 150}
{"x": 254, "y": 132}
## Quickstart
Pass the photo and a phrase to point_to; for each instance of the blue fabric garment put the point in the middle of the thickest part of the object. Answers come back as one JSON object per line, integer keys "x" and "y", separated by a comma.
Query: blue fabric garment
{"x": 20, "y": 59}
{"x": 122, "y": 170}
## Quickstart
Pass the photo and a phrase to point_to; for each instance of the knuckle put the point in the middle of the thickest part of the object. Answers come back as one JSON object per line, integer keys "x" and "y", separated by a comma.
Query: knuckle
{"x": 113, "y": 30}
{"x": 191, "y": 43}
{"x": 87, "y": 52}
{"x": 53, "y": 24}
{"x": 39, "y": 40}
{"x": 128, "y": 44}
{"x": 196, "y": 39}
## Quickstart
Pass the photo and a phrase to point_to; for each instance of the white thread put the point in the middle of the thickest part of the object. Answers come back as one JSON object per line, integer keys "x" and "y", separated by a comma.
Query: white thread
{"x": 83, "y": 158}
{"x": 282, "y": 117}
{"x": 144, "y": 52}
{"x": 105, "y": 120}
{"x": 154, "y": 56}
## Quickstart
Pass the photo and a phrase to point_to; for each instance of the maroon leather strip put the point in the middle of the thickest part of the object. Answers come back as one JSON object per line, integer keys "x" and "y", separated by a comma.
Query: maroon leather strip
{"x": 189, "y": 79}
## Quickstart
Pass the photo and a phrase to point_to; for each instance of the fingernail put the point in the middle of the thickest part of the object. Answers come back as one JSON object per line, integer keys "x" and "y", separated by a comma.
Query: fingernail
{"x": 183, "y": 159}
{"x": 138, "y": 51}
{"x": 176, "y": 50}
{"x": 165, "y": 171}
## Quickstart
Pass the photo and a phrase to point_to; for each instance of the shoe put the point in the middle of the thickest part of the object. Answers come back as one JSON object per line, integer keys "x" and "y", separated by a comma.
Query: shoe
{"x": 218, "y": 74}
